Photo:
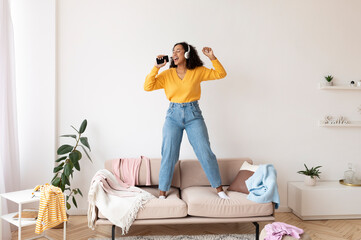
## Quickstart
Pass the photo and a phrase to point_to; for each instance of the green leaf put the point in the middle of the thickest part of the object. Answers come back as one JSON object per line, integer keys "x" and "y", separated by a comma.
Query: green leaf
{"x": 75, "y": 129}
{"x": 69, "y": 135}
{"x": 77, "y": 166}
{"x": 81, "y": 194}
{"x": 83, "y": 126}
{"x": 65, "y": 179}
{"x": 86, "y": 152}
{"x": 54, "y": 177}
{"x": 67, "y": 169}
{"x": 62, "y": 186}
{"x": 56, "y": 182}
{"x": 58, "y": 168}
{"x": 64, "y": 149}
{"x": 60, "y": 159}
{"x": 68, "y": 205}
{"x": 67, "y": 198}
{"x": 75, "y": 156}
{"x": 74, "y": 201}
{"x": 84, "y": 140}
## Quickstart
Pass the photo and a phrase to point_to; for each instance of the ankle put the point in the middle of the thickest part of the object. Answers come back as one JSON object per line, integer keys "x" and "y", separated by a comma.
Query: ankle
{"x": 219, "y": 189}
{"x": 162, "y": 193}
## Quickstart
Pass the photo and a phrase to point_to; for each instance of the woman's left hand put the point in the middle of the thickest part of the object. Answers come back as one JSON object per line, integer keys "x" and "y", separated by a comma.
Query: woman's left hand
{"x": 209, "y": 53}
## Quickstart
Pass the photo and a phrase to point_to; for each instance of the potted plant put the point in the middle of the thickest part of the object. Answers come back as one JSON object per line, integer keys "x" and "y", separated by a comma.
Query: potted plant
{"x": 329, "y": 80}
{"x": 69, "y": 158}
{"x": 310, "y": 175}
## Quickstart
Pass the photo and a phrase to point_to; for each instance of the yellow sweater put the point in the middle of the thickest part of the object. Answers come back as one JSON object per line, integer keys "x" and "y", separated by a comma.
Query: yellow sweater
{"x": 51, "y": 208}
{"x": 186, "y": 90}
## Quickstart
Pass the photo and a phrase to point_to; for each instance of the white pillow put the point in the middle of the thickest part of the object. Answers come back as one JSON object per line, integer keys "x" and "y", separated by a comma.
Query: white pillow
{"x": 249, "y": 167}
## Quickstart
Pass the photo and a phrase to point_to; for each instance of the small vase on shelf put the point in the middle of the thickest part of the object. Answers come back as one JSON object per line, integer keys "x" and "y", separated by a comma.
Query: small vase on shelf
{"x": 310, "y": 181}
{"x": 328, "y": 81}
{"x": 349, "y": 174}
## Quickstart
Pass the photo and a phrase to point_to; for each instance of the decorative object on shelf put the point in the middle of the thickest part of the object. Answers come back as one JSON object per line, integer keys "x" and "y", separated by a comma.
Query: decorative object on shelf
{"x": 329, "y": 80}
{"x": 359, "y": 83}
{"x": 349, "y": 174}
{"x": 352, "y": 84}
{"x": 331, "y": 120}
{"x": 310, "y": 175}
{"x": 69, "y": 161}
{"x": 356, "y": 184}
{"x": 359, "y": 109}
{"x": 27, "y": 215}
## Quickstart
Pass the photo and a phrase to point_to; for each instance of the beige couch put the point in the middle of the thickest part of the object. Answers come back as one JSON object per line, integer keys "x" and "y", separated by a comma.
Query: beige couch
{"x": 191, "y": 200}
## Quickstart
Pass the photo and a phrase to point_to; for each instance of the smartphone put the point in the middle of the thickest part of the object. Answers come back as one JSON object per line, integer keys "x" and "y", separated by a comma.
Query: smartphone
{"x": 164, "y": 58}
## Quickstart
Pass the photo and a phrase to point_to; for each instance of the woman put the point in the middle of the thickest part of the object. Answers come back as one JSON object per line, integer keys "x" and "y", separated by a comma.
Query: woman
{"x": 182, "y": 86}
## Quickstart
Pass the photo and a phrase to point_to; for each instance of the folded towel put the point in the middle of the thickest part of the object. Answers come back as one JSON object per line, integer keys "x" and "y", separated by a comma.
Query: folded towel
{"x": 262, "y": 185}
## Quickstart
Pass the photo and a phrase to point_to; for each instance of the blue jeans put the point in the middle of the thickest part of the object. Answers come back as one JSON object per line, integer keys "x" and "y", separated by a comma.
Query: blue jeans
{"x": 186, "y": 116}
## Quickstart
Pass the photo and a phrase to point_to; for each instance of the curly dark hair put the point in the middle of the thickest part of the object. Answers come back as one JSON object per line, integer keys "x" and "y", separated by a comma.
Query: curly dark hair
{"x": 193, "y": 61}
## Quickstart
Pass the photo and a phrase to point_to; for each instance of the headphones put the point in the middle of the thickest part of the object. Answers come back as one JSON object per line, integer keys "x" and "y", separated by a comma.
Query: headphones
{"x": 187, "y": 53}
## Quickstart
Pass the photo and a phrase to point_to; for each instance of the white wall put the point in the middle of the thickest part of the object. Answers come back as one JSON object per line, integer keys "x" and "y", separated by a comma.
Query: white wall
{"x": 267, "y": 108}
{"x": 34, "y": 33}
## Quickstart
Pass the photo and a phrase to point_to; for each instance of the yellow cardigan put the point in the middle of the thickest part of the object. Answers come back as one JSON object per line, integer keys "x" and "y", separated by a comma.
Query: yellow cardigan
{"x": 186, "y": 90}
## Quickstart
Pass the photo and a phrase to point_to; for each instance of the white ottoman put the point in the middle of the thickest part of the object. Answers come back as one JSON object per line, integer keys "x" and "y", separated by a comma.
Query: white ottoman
{"x": 304, "y": 236}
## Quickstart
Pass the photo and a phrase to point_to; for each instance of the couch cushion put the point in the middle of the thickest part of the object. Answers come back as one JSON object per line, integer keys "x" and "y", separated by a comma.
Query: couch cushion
{"x": 171, "y": 207}
{"x": 154, "y": 172}
{"x": 204, "y": 202}
{"x": 192, "y": 173}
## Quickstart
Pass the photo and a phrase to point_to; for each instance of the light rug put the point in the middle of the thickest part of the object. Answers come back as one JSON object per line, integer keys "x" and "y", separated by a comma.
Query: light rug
{"x": 187, "y": 237}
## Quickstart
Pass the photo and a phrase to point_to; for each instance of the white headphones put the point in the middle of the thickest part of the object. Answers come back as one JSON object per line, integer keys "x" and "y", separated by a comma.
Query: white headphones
{"x": 187, "y": 53}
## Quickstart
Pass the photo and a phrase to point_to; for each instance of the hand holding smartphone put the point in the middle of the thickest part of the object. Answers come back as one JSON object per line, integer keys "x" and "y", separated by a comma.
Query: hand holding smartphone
{"x": 162, "y": 59}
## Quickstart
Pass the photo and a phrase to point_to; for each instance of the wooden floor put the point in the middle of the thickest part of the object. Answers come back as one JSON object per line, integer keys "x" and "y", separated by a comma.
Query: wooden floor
{"x": 318, "y": 230}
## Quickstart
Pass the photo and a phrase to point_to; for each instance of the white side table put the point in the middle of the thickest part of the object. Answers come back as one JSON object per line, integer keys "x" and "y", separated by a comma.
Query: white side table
{"x": 326, "y": 200}
{"x": 22, "y": 197}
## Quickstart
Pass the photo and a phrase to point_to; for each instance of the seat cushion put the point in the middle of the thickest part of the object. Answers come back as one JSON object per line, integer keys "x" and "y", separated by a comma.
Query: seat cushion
{"x": 204, "y": 202}
{"x": 171, "y": 207}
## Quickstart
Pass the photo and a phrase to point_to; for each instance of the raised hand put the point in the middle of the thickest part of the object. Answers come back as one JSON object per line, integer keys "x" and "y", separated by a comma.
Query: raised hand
{"x": 162, "y": 64}
{"x": 209, "y": 53}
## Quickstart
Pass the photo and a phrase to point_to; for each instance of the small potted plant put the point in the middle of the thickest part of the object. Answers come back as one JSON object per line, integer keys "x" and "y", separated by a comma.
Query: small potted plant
{"x": 310, "y": 175}
{"x": 329, "y": 80}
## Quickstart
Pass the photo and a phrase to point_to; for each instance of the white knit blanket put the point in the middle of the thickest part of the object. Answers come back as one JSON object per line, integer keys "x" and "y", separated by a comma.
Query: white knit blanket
{"x": 118, "y": 204}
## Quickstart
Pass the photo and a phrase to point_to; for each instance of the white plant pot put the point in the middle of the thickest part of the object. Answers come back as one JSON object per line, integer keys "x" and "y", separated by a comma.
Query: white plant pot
{"x": 328, "y": 83}
{"x": 310, "y": 181}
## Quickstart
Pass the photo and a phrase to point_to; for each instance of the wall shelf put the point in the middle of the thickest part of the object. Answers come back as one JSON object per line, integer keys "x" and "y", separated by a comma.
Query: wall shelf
{"x": 350, "y": 124}
{"x": 338, "y": 87}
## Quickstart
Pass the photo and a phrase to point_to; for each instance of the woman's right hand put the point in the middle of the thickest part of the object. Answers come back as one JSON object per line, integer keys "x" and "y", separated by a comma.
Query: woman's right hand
{"x": 162, "y": 64}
